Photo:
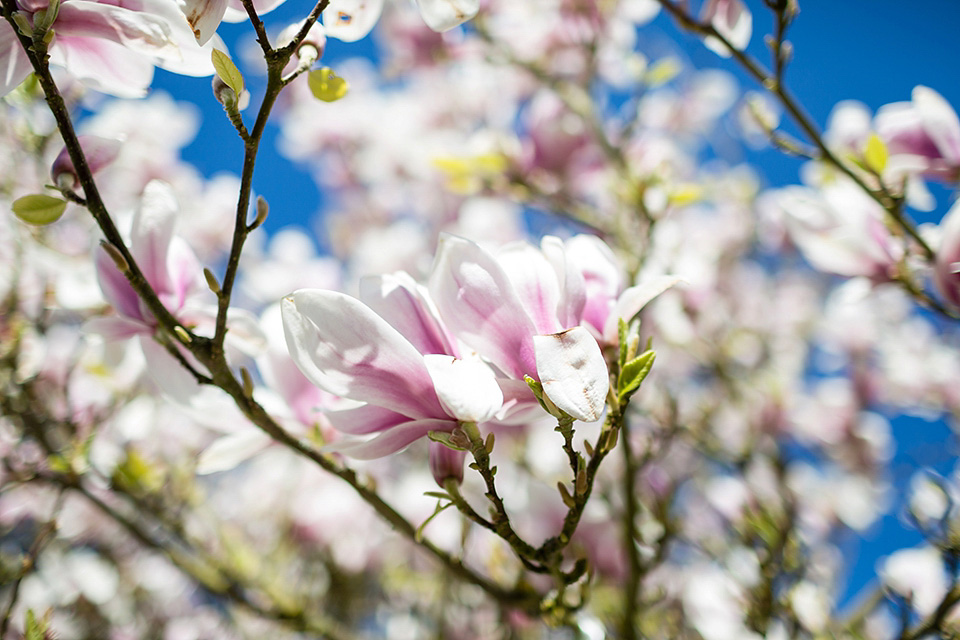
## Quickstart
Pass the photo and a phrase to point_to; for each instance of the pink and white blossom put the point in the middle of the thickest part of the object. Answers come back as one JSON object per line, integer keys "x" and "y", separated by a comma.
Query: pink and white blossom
{"x": 922, "y": 135}
{"x": 343, "y": 346}
{"x": 112, "y": 47}
{"x": 946, "y": 268}
{"x": 733, "y": 20}
{"x": 351, "y": 20}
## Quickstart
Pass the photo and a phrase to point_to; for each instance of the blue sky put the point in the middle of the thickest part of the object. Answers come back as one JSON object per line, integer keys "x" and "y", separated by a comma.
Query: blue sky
{"x": 875, "y": 51}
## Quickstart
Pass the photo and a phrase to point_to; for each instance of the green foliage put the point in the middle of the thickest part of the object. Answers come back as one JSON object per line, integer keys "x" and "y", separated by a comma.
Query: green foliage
{"x": 876, "y": 154}
{"x": 327, "y": 86}
{"x": 39, "y": 209}
{"x": 34, "y": 628}
{"x": 633, "y": 373}
{"x": 227, "y": 71}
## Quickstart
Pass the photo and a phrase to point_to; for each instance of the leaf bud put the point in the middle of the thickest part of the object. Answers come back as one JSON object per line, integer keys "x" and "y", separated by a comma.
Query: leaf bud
{"x": 118, "y": 260}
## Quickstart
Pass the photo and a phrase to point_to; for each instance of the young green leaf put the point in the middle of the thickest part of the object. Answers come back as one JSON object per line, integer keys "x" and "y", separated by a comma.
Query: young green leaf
{"x": 39, "y": 209}
{"x": 34, "y": 629}
{"x": 327, "y": 86}
{"x": 633, "y": 374}
{"x": 876, "y": 154}
{"x": 227, "y": 71}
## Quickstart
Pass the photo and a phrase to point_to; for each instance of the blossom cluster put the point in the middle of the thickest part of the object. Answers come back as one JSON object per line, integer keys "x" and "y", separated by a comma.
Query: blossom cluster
{"x": 543, "y": 196}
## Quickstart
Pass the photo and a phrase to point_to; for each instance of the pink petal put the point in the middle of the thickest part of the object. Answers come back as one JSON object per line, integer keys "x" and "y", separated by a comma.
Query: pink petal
{"x": 602, "y": 278}
{"x": 570, "y": 276}
{"x": 945, "y": 271}
{"x": 405, "y": 305}
{"x": 14, "y": 65}
{"x": 535, "y": 282}
{"x": 99, "y": 152}
{"x": 940, "y": 121}
{"x": 137, "y": 31}
{"x": 390, "y": 441}
{"x": 573, "y": 372}
{"x": 113, "y": 328}
{"x": 478, "y": 303}
{"x": 103, "y": 65}
{"x": 182, "y": 274}
{"x": 152, "y": 231}
{"x": 116, "y": 288}
{"x": 345, "y": 348}
{"x": 732, "y": 20}
{"x": 365, "y": 419}
{"x": 441, "y": 15}
{"x": 446, "y": 463}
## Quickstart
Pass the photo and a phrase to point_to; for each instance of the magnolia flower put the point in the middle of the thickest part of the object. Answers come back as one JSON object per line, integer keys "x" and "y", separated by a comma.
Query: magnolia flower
{"x": 109, "y": 46}
{"x": 351, "y": 20}
{"x": 523, "y": 316}
{"x": 167, "y": 263}
{"x": 946, "y": 272}
{"x": 174, "y": 273}
{"x": 539, "y": 313}
{"x": 408, "y": 384}
{"x": 839, "y": 229}
{"x": 732, "y": 20}
{"x": 923, "y": 135}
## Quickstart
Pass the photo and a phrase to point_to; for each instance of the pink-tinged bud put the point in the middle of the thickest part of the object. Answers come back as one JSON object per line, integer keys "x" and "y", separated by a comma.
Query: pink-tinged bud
{"x": 446, "y": 463}
{"x": 99, "y": 152}
{"x": 946, "y": 273}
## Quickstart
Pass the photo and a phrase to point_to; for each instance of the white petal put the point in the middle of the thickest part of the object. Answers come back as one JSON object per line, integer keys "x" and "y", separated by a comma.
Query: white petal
{"x": 940, "y": 122}
{"x": 351, "y": 20}
{"x": 345, "y": 348}
{"x": 441, "y": 15}
{"x": 573, "y": 372}
{"x": 467, "y": 388}
{"x": 152, "y": 231}
{"x": 227, "y": 452}
{"x": 633, "y": 300}
{"x": 204, "y": 16}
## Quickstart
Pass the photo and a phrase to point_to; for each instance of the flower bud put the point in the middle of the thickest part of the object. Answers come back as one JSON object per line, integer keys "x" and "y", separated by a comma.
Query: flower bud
{"x": 226, "y": 96}
{"x": 446, "y": 463}
{"x": 98, "y": 152}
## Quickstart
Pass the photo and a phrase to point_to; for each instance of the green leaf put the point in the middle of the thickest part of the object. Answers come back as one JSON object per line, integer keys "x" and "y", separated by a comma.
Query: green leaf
{"x": 34, "y": 629}
{"x": 39, "y": 209}
{"x": 327, "y": 86}
{"x": 444, "y": 438}
{"x": 876, "y": 154}
{"x": 633, "y": 373}
{"x": 227, "y": 71}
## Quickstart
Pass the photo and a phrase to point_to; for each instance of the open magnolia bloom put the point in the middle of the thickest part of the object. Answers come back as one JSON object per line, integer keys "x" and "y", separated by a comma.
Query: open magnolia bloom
{"x": 922, "y": 135}
{"x": 174, "y": 273}
{"x": 344, "y": 347}
{"x": 351, "y": 20}
{"x": 112, "y": 47}
{"x": 540, "y": 312}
